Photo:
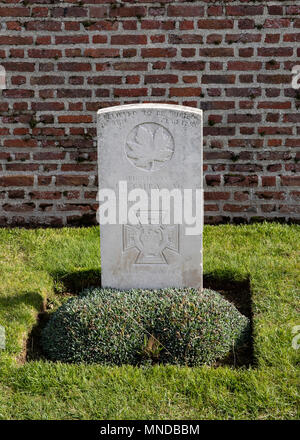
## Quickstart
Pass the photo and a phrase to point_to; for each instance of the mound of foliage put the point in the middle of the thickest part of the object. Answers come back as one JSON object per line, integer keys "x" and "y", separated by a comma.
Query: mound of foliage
{"x": 177, "y": 326}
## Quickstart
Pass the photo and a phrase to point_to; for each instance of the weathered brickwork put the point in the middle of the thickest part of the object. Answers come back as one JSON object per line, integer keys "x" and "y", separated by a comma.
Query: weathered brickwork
{"x": 65, "y": 60}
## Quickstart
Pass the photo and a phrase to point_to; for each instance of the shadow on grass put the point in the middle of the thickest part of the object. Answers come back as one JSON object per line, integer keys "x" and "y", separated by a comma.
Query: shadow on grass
{"x": 236, "y": 292}
{"x": 65, "y": 284}
{"x": 75, "y": 282}
{"x": 18, "y": 306}
{"x": 33, "y": 299}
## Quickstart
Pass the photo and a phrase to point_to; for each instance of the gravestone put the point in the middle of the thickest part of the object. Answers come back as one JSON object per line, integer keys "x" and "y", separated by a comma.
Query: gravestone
{"x": 150, "y": 147}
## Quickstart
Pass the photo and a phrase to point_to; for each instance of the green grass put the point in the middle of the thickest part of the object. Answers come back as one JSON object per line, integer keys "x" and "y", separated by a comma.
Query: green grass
{"x": 39, "y": 265}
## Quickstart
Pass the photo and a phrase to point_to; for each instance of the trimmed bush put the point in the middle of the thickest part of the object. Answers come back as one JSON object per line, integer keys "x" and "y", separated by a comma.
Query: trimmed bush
{"x": 177, "y": 326}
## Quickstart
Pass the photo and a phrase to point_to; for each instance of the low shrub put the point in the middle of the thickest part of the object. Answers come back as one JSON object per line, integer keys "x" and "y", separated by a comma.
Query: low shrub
{"x": 177, "y": 326}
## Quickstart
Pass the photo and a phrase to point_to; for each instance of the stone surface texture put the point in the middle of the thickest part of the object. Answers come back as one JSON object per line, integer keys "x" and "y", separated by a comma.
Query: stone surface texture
{"x": 150, "y": 146}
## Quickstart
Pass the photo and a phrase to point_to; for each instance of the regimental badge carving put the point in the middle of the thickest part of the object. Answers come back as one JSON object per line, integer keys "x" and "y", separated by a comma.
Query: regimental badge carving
{"x": 151, "y": 241}
{"x": 149, "y": 146}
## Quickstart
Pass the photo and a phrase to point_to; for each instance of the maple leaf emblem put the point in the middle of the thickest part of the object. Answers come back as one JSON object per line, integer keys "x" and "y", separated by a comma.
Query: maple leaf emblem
{"x": 149, "y": 146}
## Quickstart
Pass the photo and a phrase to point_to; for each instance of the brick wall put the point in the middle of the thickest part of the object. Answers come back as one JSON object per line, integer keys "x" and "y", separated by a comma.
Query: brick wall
{"x": 65, "y": 60}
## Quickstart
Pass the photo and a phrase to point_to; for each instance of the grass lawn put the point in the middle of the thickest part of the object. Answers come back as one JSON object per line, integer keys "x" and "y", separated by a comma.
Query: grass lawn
{"x": 38, "y": 266}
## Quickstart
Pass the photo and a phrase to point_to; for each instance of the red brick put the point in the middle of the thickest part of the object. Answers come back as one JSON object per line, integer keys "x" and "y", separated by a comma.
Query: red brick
{"x": 78, "y": 167}
{"x": 188, "y": 52}
{"x": 295, "y": 195}
{"x": 185, "y": 91}
{"x": 131, "y": 92}
{"x": 293, "y": 10}
{"x": 275, "y": 51}
{"x": 39, "y": 12}
{"x": 277, "y": 23}
{"x": 47, "y": 79}
{"x": 235, "y": 208}
{"x": 71, "y": 26}
{"x": 128, "y": 11}
{"x": 292, "y": 143}
{"x": 130, "y": 25}
{"x": 158, "y": 52}
{"x": 98, "y": 11}
{"x": 150, "y": 24}
{"x": 19, "y": 66}
{"x": 105, "y": 79}
{"x": 72, "y": 180}
{"x": 268, "y": 181}
{"x": 74, "y": 93}
{"x": 214, "y": 10}
{"x": 185, "y": 11}
{"x": 16, "y": 194}
{"x": 44, "y": 53}
{"x": 13, "y": 26}
{"x": 246, "y": 52}
{"x": 214, "y": 39}
{"x": 290, "y": 180}
{"x": 186, "y": 39}
{"x": 291, "y": 37}
{"x": 157, "y": 38}
{"x": 43, "y": 40}
{"x": 75, "y": 119}
{"x": 240, "y": 180}
{"x": 243, "y": 38}
{"x": 128, "y": 39}
{"x": 45, "y": 195}
{"x": 216, "y": 52}
{"x": 74, "y": 67}
{"x": 102, "y": 53}
{"x": 218, "y": 79}
{"x": 274, "y": 79}
{"x": 244, "y": 10}
{"x": 270, "y": 195}
{"x": 186, "y": 25}
{"x": 187, "y": 65}
{"x": 132, "y": 79}
{"x": 216, "y": 195}
{"x": 14, "y": 11}
{"x": 16, "y": 181}
{"x": 251, "y": 130}
{"x": 45, "y": 25}
{"x": 189, "y": 79}
{"x": 275, "y": 10}
{"x": 73, "y": 11}
{"x": 156, "y": 79}
{"x": 71, "y": 39}
{"x": 213, "y": 180}
{"x": 15, "y": 40}
{"x": 49, "y": 155}
{"x": 244, "y": 65}
{"x": 22, "y": 166}
{"x": 272, "y": 38}
{"x": 244, "y": 118}
{"x": 215, "y": 24}
{"x": 241, "y": 196}
{"x": 22, "y": 207}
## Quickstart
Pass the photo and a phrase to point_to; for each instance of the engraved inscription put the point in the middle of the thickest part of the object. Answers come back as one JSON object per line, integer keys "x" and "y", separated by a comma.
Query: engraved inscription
{"x": 149, "y": 146}
{"x": 151, "y": 241}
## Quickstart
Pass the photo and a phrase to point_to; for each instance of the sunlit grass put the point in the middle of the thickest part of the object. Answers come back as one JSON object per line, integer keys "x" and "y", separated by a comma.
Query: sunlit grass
{"x": 36, "y": 265}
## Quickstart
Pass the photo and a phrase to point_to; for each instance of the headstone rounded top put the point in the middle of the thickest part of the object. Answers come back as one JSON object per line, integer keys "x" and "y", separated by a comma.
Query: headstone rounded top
{"x": 175, "y": 107}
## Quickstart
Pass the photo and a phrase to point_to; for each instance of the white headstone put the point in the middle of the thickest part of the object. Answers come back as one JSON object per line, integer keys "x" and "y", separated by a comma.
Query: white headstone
{"x": 150, "y": 146}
